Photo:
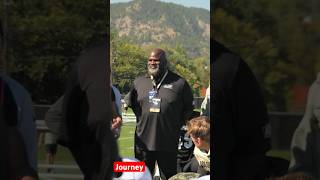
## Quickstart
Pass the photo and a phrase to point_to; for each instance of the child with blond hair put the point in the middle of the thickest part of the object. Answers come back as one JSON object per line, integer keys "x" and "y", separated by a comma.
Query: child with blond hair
{"x": 199, "y": 130}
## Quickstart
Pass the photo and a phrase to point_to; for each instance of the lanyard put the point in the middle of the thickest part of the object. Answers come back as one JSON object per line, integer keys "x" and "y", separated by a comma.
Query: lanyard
{"x": 158, "y": 86}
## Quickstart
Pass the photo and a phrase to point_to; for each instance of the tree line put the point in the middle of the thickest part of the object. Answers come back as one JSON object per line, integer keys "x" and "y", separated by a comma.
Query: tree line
{"x": 129, "y": 60}
{"x": 279, "y": 40}
{"x": 46, "y": 37}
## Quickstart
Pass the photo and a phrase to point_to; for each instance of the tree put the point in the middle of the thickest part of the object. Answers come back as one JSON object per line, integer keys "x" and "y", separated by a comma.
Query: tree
{"x": 127, "y": 61}
{"x": 46, "y": 37}
{"x": 130, "y": 60}
{"x": 276, "y": 41}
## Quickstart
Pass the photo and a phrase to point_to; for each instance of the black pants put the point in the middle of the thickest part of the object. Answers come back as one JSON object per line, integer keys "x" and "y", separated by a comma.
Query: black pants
{"x": 95, "y": 157}
{"x": 167, "y": 161}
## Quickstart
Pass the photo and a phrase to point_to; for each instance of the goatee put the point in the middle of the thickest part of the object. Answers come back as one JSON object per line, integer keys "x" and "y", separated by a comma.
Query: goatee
{"x": 154, "y": 72}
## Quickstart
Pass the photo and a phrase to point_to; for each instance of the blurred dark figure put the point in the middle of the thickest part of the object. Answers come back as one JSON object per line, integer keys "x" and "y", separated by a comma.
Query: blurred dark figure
{"x": 51, "y": 148}
{"x": 53, "y": 119}
{"x": 23, "y": 112}
{"x": 14, "y": 159}
{"x": 85, "y": 128}
{"x": 240, "y": 125}
{"x": 54, "y": 115}
{"x": 17, "y": 129}
{"x": 305, "y": 145}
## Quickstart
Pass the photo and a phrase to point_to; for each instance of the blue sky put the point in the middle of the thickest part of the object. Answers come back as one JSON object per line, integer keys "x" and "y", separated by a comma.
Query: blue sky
{"x": 188, "y": 3}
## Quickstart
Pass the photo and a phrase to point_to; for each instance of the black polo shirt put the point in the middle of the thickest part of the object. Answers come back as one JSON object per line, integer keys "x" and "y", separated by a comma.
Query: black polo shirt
{"x": 159, "y": 131}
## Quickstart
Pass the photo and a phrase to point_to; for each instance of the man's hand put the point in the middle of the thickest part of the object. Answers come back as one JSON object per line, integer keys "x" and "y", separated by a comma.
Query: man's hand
{"x": 116, "y": 126}
{"x": 116, "y": 122}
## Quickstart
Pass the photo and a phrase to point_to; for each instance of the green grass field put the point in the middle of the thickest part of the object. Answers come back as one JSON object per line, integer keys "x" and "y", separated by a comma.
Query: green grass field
{"x": 125, "y": 143}
{"x": 279, "y": 153}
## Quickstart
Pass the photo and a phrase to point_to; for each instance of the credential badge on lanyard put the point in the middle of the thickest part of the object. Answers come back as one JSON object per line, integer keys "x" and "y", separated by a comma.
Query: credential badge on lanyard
{"x": 153, "y": 98}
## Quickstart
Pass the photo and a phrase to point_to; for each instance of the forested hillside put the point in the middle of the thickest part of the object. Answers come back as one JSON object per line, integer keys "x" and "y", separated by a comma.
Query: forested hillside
{"x": 151, "y": 21}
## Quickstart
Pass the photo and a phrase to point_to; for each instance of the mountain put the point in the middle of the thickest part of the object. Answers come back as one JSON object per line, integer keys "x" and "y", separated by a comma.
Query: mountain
{"x": 152, "y": 22}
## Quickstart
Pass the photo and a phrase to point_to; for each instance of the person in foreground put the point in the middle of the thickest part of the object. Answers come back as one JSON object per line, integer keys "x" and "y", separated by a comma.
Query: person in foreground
{"x": 15, "y": 164}
{"x": 87, "y": 115}
{"x": 241, "y": 128}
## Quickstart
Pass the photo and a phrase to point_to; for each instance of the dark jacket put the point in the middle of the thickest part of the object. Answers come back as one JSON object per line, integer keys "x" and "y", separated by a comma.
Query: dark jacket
{"x": 85, "y": 129}
{"x": 239, "y": 116}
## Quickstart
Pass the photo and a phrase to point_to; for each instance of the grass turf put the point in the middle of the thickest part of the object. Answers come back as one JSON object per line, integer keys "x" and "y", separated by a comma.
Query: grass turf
{"x": 125, "y": 144}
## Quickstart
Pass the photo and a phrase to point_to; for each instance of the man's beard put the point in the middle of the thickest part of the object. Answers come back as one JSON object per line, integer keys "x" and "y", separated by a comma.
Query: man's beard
{"x": 156, "y": 72}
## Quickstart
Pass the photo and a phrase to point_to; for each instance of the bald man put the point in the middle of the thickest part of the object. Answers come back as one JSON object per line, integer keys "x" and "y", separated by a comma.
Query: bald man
{"x": 162, "y": 103}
